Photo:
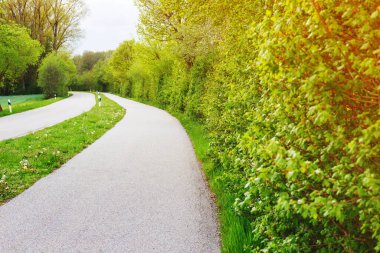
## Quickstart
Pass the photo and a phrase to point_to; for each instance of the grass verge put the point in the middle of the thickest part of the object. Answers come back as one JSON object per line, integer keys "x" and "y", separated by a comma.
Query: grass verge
{"x": 25, "y": 160}
{"x": 25, "y": 103}
{"x": 236, "y": 232}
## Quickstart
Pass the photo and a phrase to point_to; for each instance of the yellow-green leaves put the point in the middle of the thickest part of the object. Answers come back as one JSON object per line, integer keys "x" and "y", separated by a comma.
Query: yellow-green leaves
{"x": 17, "y": 51}
{"x": 56, "y": 73}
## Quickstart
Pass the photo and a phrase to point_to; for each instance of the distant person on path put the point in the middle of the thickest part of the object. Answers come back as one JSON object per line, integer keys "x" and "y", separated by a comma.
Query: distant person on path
{"x": 100, "y": 100}
{"x": 10, "y": 105}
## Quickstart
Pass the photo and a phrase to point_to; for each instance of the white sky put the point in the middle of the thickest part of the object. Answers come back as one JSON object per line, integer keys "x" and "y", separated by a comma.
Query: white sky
{"x": 107, "y": 24}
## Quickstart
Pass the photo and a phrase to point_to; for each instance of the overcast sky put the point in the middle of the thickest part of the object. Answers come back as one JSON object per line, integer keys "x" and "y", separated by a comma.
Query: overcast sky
{"x": 107, "y": 24}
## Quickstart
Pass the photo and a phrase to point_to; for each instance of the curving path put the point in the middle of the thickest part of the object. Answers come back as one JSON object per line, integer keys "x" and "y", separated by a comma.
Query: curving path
{"x": 138, "y": 188}
{"x": 23, "y": 123}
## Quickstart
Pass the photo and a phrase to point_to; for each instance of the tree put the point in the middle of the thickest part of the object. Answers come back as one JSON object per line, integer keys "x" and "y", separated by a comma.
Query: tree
{"x": 93, "y": 71}
{"x": 179, "y": 23}
{"x": 55, "y": 23}
{"x": 17, "y": 51}
{"x": 56, "y": 73}
{"x": 120, "y": 63}
{"x": 88, "y": 59}
{"x": 102, "y": 74}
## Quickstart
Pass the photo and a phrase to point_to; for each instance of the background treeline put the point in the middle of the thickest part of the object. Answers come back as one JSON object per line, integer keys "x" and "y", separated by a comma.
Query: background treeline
{"x": 290, "y": 93}
{"x": 29, "y": 31}
{"x": 92, "y": 71}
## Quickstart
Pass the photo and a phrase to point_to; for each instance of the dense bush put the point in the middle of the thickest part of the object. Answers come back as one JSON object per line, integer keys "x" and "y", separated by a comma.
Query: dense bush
{"x": 311, "y": 152}
{"x": 290, "y": 92}
{"x": 56, "y": 73}
{"x": 17, "y": 51}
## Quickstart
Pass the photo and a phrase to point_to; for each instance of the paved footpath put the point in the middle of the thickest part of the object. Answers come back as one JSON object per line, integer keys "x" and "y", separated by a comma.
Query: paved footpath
{"x": 138, "y": 188}
{"x": 23, "y": 123}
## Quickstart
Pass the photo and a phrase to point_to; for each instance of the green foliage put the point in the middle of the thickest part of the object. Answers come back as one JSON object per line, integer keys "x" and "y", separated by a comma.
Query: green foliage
{"x": 308, "y": 141}
{"x": 56, "y": 73}
{"x": 93, "y": 71}
{"x": 88, "y": 60}
{"x": 119, "y": 64}
{"x": 87, "y": 81}
{"x": 53, "y": 23}
{"x": 17, "y": 51}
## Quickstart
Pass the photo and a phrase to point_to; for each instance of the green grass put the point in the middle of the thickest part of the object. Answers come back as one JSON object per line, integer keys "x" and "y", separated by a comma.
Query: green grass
{"x": 17, "y": 99}
{"x": 24, "y": 103}
{"x": 236, "y": 232}
{"x": 25, "y": 160}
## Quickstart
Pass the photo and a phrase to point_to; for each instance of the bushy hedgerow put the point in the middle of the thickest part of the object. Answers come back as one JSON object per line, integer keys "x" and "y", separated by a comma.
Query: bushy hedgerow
{"x": 311, "y": 151}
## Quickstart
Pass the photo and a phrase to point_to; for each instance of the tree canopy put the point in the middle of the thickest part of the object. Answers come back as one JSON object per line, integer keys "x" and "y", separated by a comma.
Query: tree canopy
{"x": 17, "y": 51}
{"x": 54, "y": 23}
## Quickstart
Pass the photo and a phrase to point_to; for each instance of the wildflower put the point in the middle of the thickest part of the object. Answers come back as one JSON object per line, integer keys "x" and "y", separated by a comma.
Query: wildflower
{"x": 24, "y": 164}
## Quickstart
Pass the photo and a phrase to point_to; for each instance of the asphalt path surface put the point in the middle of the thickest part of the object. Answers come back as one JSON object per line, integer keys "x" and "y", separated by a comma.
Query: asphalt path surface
{"x": 20, "y": 124}
{"x": 139, "y": 188}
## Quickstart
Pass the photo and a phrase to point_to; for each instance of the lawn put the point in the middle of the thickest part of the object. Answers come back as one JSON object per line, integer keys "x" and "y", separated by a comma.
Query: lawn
{"x": 23, "y": 103}
{"x": 17, "y": 99}
{"x": 25, "y": 160}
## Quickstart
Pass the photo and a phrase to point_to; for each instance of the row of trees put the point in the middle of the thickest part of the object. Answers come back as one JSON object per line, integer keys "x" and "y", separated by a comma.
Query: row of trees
{"x": 290, "y": 92}
{"x": 92, "y": 71}
{"x": 30, "y": 30}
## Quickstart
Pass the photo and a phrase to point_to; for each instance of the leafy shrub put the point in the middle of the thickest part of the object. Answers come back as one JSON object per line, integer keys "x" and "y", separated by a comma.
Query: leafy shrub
{"x": 314, "y": 139}
{"x": 56, "y": 73}
{"x": 17, "y": 51}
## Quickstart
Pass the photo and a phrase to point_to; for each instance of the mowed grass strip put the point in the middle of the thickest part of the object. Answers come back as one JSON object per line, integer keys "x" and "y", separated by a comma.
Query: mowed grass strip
{"x": 25, "y": 103}
{"x": 25, "y": 160}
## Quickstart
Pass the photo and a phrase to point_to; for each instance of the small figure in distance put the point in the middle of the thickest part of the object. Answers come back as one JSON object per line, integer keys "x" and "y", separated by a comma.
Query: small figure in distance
{"x": 10, "y": 105}
{"x": 100, "y": 100}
